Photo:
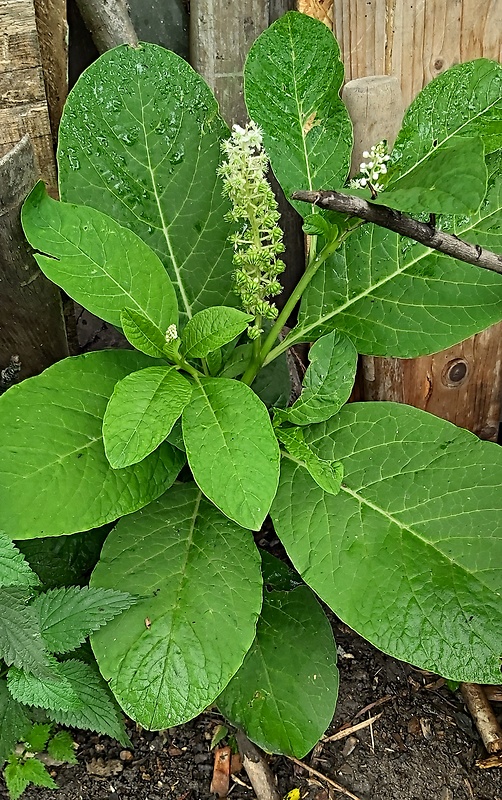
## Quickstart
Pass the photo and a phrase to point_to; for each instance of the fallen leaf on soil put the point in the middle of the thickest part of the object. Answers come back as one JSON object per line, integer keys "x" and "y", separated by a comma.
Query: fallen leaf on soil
{"x": 235, "y": 763}
{"x": 104, "y": 769}
{"x": 221, "y": 771}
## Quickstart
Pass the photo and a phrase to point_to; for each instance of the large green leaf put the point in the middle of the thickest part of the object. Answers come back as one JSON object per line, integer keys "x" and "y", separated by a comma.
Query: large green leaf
{"x": 142, "y": 410}
{"x": 293, "y": 75}
{"x": 54, "y": 474}
{"x": 466, "y": 100}
{"x": 197, "y": 575}
{"x": 328, "y": 380}
{"x": 231, "y": 449}
{"x": 450, "y": 180}
{"x": 140, "y": 140}
{"x": 212, "y": 328}
{"x": 285, "y": 692}
{"x": 409, "y": 552}
{"x": 99, "y": 263}
{"x": 396, "y": 297}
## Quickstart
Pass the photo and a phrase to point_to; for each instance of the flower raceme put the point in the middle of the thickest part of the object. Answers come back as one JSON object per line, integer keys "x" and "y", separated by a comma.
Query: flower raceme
{"x": 258, "y": 238}
{"x": 373, "y": 169}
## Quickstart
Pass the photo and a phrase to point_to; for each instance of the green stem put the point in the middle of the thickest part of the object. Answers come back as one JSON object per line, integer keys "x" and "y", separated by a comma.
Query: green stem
{"x": 256, "y": 363}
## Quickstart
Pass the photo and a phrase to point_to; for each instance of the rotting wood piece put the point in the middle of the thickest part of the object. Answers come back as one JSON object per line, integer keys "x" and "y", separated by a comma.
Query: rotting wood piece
{"x": 482, "y": 713}
{"x": 108, "y": 22}
{"x": 31, "y": 325}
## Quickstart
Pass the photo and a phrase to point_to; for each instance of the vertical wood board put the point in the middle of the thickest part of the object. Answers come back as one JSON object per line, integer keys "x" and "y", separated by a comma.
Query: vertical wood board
{"x": 23, "y": 105}
{"x": 52, "y": 30}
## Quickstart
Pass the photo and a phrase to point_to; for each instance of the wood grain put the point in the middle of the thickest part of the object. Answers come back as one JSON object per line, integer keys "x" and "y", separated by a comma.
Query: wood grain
{"x": 31, "y": 323}
{"x": 23, "y": 105}
{"x": 52, "y": 31}
{"x": 320, "y": 9}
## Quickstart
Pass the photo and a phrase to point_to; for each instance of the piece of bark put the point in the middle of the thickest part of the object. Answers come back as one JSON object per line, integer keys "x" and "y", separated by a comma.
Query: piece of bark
{"x": 482, "y": 713}
{"x": 52, "y": 30}
{"x": 32, "y": 324}
{"x": 220, "y": 783}
{"x": 109, "y": 23}
{"x": 257, "y": 769}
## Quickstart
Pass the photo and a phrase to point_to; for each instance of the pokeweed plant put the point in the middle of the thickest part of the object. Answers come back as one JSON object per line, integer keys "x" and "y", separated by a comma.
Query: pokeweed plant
{"x": 46, "y": 676}
{"x": 168, "y": 230}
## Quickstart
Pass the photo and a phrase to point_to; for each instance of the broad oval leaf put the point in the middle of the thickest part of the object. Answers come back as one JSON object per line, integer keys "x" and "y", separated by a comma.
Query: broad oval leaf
{"x": 54, "y": 475}
{"x": 142, "y": 333}
{"x": 211, "y": 328}
{"x": 98, "y": 262}
{"x": 328, "y": 381}
{"x": 198, "y": 579}
{"x": 409, "y": 552}
{"x": 466, "y": 100}
{"x": 284, "y": 694}
{"x": 232, "y": 449}
{"x": 292, "y": 78}
{"x": 141, "y": 412}
{"x": 140, "y": 140}
{"x": 395, "y": 297}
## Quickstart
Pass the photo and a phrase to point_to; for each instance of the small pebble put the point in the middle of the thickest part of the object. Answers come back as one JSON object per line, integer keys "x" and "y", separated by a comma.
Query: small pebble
{"x": 126, "y": 755}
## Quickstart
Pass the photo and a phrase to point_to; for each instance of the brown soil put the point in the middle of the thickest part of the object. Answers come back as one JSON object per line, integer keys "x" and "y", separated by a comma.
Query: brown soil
{"x": 423, "y": 747}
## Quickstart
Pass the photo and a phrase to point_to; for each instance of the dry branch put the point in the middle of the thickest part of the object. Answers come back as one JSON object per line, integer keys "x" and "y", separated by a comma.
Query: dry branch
{"x": 483, "y": 716}
{"x": 108, "y": 22}
{"x": 334, "y": 785}
{"x": 258, "y": 771}
{"x": 406, "y": 226}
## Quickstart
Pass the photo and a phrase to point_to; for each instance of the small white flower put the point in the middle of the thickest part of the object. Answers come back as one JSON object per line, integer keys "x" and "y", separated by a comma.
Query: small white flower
{"x": 171, "y": 333}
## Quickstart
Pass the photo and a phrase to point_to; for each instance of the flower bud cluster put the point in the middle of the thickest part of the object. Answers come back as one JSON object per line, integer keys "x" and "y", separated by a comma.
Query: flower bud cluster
{"x": 370, "y": 171}
{"x": 258, "y": 239}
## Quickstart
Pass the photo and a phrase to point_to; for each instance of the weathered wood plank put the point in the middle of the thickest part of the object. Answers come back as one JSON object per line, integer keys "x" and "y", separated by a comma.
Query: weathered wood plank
{"x": 52, "y": 30}
{"x": 23, "y": 105}
{"x": 31, "y": 323}
{"x": 320, "y": 9}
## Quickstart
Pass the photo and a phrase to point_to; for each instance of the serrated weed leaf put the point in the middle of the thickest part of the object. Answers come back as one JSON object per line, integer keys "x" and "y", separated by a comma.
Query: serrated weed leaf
{"x": 14, "y": 721}
{"x": 140, "y": 140}
{"x": 328, "y": 381}
{"x": 231, "y": 449}
{"x": 51, "y": 694}
{"x": 14, "y": 569}
{"x": 97, "y": 710}
{"x": 69, "y": 614}
{"x": 21, "y": 642}
{"x": 51, "y": 436}
{"x": 211, "y": 328}
{"x": 20, "y": 773}
{"x": 142, "y": 333}
{"x": 195, "y": 619}
{"x": 408, "y": 552}
{"x": 292, "y": 78}
{"x": 285, "y": 693}
{"x": 37, "y": 736}
{"x": 141, "y": 413}
{"x": 98, "y": 262}
{"x": 62, "y": 748}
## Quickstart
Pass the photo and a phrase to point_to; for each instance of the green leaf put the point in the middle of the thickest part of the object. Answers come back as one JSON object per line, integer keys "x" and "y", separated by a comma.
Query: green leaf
{"x": 273, "y": 383}
{"x": 277, "y": 574}
{"x": 199, "y": 582}
{"x": 37, "y": 736}
{"x": 285, "y": 693}
{"x": 15, "y": 781}
{"x": 69, "y": 614}
{"x": 140, "y": 140}
{"x": 49, "y": 693}
{"x": 14, "y": 721}
{"x": 293, "y": 75}
{"x": 211, "y": 328}
{"x": 214, "y": 361}
{"x": 328, "y": 381}
{"x": 14, "y": 570}
{"x": 141, "y": 412}
{"x": 99, "y": 263}
{"x": 54, "y": 474}
{"x": 395, "y": 297}
{"x": 231, "y": 449}
{"x": 450, "y": 180}
{"x": 466, "y": 101}
{"x": 97, "y": 711}
{"x": 142, "y": 333}
{"x": 408, "y": 553}
{"x": 61, "y": 747}
{"x": 327, "y": 474}
{"x": 18, "y": 775}
{"x": 21, "y": 640}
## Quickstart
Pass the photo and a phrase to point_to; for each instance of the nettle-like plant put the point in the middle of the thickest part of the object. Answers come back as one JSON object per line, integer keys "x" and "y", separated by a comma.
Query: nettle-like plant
{"x": 169, "y": 231}
{"x": 46, "y": 674}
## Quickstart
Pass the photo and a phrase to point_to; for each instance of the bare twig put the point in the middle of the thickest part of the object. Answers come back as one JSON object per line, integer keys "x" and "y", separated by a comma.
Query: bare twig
{"x": 341, "y": 734}
{"x": 406, "y": 226}
{"x": 258, "y": 771}
{"x": 334, "y": 785}
{"x": 483, "y": 716}
{"x": 375, "y": 704}
{"x": 108, "y": 22}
